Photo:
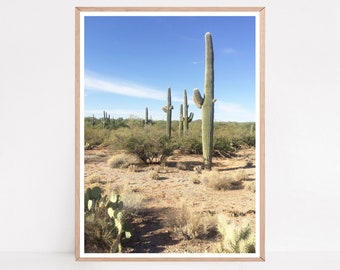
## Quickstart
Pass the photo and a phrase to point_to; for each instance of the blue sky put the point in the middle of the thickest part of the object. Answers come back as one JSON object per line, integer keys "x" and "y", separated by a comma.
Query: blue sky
{"x": 130, "y": 61}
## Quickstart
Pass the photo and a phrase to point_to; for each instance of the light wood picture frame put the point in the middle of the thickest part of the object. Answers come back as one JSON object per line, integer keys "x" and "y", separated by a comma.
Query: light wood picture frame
{"x": 149, "y": 185}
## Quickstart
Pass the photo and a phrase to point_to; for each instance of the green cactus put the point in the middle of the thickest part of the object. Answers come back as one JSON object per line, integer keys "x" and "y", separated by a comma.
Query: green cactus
{"x": 181, "y": 121}
{"x": 207, "y": 103}
{"x": 105, "y": 120}
{"x": 104, "y": 219}
{"x": 146, "y": 116}
{"x": 187, "y": 119}
{"x": 147, "y": 120}
{"x": 167, "y": 109}
{"x": 91, "y": 197}
{"x": 93, "y": 121}
{"x": 114, "y": 210}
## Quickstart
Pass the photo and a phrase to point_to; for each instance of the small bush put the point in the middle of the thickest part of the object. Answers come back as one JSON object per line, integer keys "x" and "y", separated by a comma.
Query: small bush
{"x": 146, "y": 143}
{"x": 122, "y": 160}
{"x": 191, "y": 144}
{"x": 224, "y": 145}
{"x": 221, "y": 181}
{"x": 190, "y": 225}
{"x": 94, "y": 137}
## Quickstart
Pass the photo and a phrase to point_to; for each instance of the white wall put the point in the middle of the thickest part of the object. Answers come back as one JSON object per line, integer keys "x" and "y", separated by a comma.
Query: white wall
{"x": 37, "y": 134}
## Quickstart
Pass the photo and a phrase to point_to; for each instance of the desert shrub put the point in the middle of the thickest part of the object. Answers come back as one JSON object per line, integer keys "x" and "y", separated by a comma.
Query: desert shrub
{"x": 189, "y": 225}
{"x": 105, "y": 227}
{"x": 191, "y": 144}
{"x": 148, "y": 144}
{"x": 95, "y": 136}
{"x": 235, "y": 239}
{"x": 224, "y": 145}
{"x": 239, "y": 134}
{"x": 221, "y": 181}
{"x": 248, "y": 140}
{"x": 123, "y": 160}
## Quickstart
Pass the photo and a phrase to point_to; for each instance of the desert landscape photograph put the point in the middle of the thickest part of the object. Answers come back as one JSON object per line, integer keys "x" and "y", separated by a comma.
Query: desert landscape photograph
{"x": 169, "y": 135}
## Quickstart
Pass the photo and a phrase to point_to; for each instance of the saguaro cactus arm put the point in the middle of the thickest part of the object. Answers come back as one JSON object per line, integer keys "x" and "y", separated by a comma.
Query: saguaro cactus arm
{"x": 198, "y": 99}
{"x": 190, "y": 117}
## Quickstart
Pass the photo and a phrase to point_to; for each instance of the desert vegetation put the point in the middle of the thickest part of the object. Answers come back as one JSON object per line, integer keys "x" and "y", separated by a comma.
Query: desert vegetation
{"x": 165, "y": 188}
{"x": 175, "y": 186}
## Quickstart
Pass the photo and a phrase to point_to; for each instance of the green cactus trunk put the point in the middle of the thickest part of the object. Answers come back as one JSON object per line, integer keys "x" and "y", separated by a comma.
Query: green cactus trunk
{"x": 146, "y": 120}
{"x": 181, "y": 121}
{"x": 187, "y": 119}
{"x": 167, "y": 109}
{"x": 207, "y": 103}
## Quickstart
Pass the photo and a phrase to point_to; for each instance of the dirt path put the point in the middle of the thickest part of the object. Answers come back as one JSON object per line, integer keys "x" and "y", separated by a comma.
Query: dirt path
{"x": 179, "y": 188}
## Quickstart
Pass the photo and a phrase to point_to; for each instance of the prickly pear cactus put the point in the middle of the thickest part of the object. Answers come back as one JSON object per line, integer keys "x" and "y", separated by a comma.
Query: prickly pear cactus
{"x": 206, "y": 103}
{"x": 104, "y": 218}
{"x": 167, "y": 109}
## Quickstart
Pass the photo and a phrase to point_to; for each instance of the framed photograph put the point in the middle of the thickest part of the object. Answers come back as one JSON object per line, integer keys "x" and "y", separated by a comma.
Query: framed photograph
{"x": 170, "y": 144}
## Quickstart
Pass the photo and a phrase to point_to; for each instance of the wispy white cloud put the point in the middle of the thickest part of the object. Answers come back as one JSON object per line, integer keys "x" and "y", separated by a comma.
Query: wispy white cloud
{"x": 125, "y": 88}
{"x": 225, "y": 111}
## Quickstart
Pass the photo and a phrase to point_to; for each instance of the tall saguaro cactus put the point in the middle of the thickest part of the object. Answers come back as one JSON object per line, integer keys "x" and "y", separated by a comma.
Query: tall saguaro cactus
{"x": 181, "y": 121}
{"x": 105, "y": 120}
{"x": 167, "y": 109}
{"x": 147, "y": 120}
{"x": 207, "y": 103}
{"x": 187, "y": 119}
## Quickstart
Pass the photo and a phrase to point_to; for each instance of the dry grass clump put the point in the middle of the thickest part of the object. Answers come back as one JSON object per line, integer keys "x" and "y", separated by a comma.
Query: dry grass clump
{"x": 93, "y": 178}
{"x": 241, "y": 175}
{"x": 154, "y": 175}
{"x": 189, "y": 225}
{"x": 220, "y": 181}
{"x": 132, "y": 199}
{"x": 123, "y": 160}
